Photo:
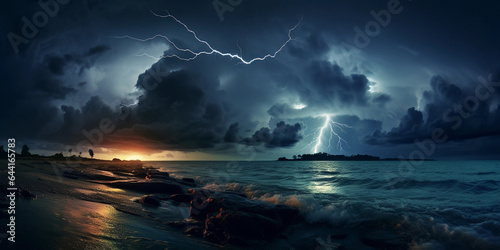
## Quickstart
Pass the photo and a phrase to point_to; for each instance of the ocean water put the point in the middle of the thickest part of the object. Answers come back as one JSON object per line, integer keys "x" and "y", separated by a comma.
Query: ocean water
{"x": 435, "y": 205}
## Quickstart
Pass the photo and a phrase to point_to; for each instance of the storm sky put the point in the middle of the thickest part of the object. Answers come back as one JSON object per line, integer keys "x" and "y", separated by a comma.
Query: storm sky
{"x": 398, "y": 74}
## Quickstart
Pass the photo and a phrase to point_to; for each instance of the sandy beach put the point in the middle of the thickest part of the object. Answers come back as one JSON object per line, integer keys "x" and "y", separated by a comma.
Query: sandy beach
{"x": 115, "y": 205}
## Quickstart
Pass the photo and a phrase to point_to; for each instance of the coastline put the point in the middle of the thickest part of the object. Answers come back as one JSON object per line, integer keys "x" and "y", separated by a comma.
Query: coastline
{"x": 270, "y": 205}
{"x": 91, "y": 196}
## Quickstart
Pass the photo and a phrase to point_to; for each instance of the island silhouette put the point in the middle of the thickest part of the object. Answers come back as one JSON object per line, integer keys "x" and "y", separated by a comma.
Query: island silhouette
{"x": 328, "y": 157}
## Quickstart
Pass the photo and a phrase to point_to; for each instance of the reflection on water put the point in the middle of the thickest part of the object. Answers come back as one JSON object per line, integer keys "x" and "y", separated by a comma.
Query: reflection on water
{"x": 322, "y": 178}
{"x": 322, "y": 188}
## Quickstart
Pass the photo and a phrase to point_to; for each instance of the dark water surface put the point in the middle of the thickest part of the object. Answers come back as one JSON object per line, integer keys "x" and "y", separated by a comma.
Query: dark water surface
{"x": 440, "y": 204}
{"x": 437, "y": 205}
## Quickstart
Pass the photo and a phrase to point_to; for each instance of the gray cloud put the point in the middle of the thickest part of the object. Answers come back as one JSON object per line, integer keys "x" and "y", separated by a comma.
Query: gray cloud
{"x": 460, "y": 112}
{"x": 283, "y": 135}
{"x": 212, "y": 102}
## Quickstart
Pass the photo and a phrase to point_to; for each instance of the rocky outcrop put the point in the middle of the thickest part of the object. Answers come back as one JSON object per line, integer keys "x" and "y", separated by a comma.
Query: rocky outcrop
{"x": 191, "y": 180}
{"x": 148, "y": 186}
{"x": 183, "y": 198}
{"x": 240, "y": 227}
{"x": 150, "y": 200}
{"x": 231, "y": 218}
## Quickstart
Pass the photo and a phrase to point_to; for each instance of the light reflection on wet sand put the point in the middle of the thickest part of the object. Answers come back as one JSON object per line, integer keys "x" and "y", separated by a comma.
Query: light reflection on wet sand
{"x": 68, "y": 223}
{"x": 93, "y": 222}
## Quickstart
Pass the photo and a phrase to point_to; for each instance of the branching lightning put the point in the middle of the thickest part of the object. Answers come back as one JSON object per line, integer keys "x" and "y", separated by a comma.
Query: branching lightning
{"x": 210, "y": 50}
{"x": 320, "y": 135}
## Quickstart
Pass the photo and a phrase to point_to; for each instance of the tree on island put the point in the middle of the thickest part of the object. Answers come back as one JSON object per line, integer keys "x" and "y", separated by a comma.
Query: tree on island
{"x": 58, "y": 156}
{"x": 294, "y": 157}
{"x": 91, "y": 153}
{"x": 25, "y": 150}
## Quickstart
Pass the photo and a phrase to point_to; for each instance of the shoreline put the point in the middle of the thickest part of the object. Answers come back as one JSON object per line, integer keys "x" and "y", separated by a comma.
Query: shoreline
{"x": 148, "y": 205}
{"x": 57, "y": 191}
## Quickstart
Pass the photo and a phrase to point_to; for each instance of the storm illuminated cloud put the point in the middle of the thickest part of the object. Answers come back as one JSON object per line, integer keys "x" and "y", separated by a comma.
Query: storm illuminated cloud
{"x": 75, "y": 73}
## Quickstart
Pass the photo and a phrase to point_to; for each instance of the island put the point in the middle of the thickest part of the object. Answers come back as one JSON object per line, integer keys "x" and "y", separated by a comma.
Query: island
{"x": 328, "y": 157}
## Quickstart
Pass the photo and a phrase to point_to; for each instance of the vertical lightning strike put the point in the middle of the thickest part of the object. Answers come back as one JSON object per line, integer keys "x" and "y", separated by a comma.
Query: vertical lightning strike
{"x": 318, "y": 135}
{"x": 210, "y": 50}
{"x": 318, "y": 140}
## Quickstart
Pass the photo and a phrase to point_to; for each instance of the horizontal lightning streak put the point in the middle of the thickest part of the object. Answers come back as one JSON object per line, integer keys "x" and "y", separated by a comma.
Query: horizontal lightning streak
{"x": 210, "y": 50}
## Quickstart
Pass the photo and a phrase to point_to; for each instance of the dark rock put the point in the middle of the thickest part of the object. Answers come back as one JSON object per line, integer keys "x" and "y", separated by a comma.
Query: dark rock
{"x": 340, "y": 236}
{"x": 284, "y": 214}
{"x": 240, "y": 227}
{"x": 200, "y": 208}
{"x": 25, "y": 193}
{"x": 232, "y": 218}
{"x": 162, "y": 197}
{"x": 101, "y": 177}
{"x": 186, "y": 198}
{"x": 125, "y": 209}
{"x": 188, "y": 180}
{"x": 150, "y": 200}
{"x": 195, "y": 231}
{"x": 184, "y": 224}
{"x": 70, "y": 175}
{"x": 384, "y": 239}
{"x": 140, "y": 172}
{"x": 156, "y": 174}
{"x": 200, "y": 192}
{"x": 147, "y": 186}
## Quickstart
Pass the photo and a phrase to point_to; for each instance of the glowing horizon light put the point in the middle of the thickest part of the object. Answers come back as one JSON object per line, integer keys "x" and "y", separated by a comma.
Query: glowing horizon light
{"x": 134, "y": 157}
{"x": 210, "y": 50}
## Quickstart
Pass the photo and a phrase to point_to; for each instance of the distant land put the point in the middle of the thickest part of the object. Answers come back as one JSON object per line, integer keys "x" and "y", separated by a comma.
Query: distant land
{"x": 25, "y": 154}
{"x": 358, "y": 157}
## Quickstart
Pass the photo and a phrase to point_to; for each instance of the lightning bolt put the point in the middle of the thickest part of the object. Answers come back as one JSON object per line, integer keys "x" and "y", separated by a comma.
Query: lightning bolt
{"x": 210, "y": 50}
{"x": 320, "y": 133}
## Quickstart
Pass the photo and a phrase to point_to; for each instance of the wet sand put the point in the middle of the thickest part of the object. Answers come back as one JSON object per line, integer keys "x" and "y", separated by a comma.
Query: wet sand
{"x": 71, "y": 212}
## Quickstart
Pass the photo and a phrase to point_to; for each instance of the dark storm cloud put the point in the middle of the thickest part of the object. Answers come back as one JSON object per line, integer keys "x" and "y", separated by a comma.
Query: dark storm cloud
{"x": 51, "y": 86}
{"x": 57, "y": 63}
{"x": 311, "y": 43}
{"x": 331, "y": 84}
{"x": 47, "y": 75}
{"x": 97, "y": 50}
{"x": 177, "y": 114}
{"x": 212, "y": 100}
{"x": 78, "y": 124}
{"x": 461, "y": 113}
{"x": 381, "y": 99}
{"x": 232, "y": 133}
{"x": 283, "y": 135}
{"x": 32, "y": 87}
